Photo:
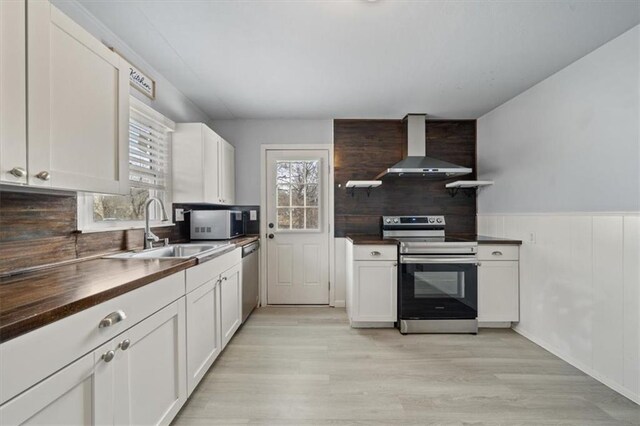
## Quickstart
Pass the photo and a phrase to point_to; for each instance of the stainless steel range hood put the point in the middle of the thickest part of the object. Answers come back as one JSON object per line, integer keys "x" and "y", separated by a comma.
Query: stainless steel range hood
{"x": 417, "y": 163}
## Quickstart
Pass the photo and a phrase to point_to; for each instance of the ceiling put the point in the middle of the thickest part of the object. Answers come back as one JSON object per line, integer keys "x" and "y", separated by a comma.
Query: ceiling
{"x": 357, "y": 58}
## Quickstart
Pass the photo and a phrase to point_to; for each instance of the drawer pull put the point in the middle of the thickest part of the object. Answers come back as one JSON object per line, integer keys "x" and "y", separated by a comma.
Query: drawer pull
{"x": 18, "y": 172}
{"x": 108, "y": 356}
{"x": 497, "y": 253}
{"x": 375, "y": 253}
{"x": 112, "y": 318}
{"x": 124, "y": 345}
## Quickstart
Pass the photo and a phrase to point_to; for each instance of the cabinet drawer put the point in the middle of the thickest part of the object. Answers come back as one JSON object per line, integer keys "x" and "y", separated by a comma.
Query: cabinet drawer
{"x": 28, "y": 359}
{"x": 206, "y": 271}
{"x": 498, "y": 252}
{"x": 371, "y": 252}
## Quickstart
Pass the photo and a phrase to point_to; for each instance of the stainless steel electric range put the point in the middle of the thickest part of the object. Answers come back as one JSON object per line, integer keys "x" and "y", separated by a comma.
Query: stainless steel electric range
{"x": 437, "y": 276}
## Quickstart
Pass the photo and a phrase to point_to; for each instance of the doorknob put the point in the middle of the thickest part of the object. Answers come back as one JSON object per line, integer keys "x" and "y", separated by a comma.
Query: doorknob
{"x": 271, "y": 236}
{"x": 271, "y": 225}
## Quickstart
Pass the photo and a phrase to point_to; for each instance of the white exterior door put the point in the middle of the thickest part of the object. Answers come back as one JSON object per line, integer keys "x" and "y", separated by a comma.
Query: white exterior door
{"x": 297, "y": 226}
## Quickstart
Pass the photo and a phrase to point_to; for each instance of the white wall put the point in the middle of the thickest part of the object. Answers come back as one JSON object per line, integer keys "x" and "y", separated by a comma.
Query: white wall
{"x": 248, "y": 135}
{"x": 570, "y": 143}
{"x": 169, "y": 101}
{"x": 580, "y": 289}
{"x": 565, "y": 156}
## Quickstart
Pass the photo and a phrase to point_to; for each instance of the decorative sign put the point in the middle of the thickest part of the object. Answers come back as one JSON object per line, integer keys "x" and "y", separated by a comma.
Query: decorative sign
{"x": 142, "y": 82}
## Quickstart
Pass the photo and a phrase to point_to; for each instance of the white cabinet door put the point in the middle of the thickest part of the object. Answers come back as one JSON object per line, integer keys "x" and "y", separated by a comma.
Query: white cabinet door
{"x": 230, "y": 303}
{"x": 79, "y": 394}
{"x": 150, "y": 378}
{"x": 498, "y": 295}
{"x": 375, "y": 291}
{"x": 227, "y": 172}
{"x": 78, "y": 106}
{"x": 203, "y": 331}
{"x": 211, "y": 167}
{"x": 13, "y": 92}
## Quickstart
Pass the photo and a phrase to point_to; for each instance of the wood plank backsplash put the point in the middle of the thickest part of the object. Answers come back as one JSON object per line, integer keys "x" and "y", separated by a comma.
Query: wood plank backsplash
{"x": 363, "y": 148}
{"x": 38, "y": 229}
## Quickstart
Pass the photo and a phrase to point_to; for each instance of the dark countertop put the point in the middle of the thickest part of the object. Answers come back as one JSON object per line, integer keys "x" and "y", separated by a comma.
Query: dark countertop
{"x": 370, "y": 239}
{"x": 33, "y": 299}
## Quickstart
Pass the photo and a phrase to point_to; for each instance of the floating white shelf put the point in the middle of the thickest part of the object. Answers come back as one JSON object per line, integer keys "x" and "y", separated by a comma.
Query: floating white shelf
{"x": 363, "y": 183}
{"x": 352, "y": 185}
{"x": 468, "y": 185}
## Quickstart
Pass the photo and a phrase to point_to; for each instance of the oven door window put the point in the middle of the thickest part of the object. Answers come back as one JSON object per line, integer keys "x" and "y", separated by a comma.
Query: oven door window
{"x": 432, "y": 291}
{"x": 438, "y": 284}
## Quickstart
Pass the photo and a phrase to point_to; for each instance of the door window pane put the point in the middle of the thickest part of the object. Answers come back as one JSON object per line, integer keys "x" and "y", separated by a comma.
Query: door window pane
{"x": 298, "y": 189}
{"x": 284, "y": 218}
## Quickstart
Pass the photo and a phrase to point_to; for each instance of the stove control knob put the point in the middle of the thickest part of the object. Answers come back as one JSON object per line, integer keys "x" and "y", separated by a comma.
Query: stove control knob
{"x": 431, "y": 220}
{"x": 439, "y": 220}
{"x": 395, "y": 220}
{"x": 388, "y": 220}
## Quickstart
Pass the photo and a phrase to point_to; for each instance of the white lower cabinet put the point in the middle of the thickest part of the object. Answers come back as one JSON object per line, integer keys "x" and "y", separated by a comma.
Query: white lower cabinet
{"x": 231, "y": 303}
{"x": 150, "y": 381}
{"x": 79, "y": 394}
{"x": 136, "y": 378}
{"x": 214, "y": 312}
{"x": 498, "y": 285}
{"x": 372, "y": 290}
{"x": 203, "y": 331}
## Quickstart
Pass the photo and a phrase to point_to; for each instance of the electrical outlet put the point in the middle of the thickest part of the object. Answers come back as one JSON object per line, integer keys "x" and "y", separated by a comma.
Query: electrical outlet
{"x": 179, "y": 215}
{"x": 253, "y": 215}
{"x": 532, "y": 238}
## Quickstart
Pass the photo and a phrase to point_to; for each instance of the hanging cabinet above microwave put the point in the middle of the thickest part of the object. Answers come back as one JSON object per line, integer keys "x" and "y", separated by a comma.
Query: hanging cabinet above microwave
{"x": 76, "y": 105}
{"x": 203, "y": 166}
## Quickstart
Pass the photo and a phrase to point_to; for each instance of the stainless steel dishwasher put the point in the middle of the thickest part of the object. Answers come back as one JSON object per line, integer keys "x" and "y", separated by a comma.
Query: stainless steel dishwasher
{"x": 250, "y": 264}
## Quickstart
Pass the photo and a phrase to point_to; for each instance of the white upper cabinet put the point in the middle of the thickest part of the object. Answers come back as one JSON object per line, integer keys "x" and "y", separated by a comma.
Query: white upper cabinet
{"x": 13, "y": 94}
{"x": 203, "y": 166}
{"x": 77, "y": 106}
{"x": 227, "y": 172}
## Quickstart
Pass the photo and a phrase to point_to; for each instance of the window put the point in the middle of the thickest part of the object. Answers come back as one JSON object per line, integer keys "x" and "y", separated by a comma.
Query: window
{"x": 298, "y": 194}
{"x": 149, "y": 166}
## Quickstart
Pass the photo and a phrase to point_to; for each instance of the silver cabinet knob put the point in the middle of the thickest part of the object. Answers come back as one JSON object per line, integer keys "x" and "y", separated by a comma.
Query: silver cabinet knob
{"x": 108, "y": 356}
{"x": 112, "y": 318}
{"x": 18, "y": 172}
{"x": 124, "y": 345}
{"x": 497, "y": 253}
{"x": 375, "y": 253}
{"x": 43, "y": 175}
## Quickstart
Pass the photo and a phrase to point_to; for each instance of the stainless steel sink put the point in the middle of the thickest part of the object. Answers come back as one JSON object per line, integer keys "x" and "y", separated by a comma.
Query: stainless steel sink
{"x": 174, "y": 251}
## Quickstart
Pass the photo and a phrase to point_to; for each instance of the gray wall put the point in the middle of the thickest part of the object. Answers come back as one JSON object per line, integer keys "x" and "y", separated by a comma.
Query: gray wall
{"x": 248, "y": 135}
{"x": 169, "y": 100}
{"x": 572, "y": 142}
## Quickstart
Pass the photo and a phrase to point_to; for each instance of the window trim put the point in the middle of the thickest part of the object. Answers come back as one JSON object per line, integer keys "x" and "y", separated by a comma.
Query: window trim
{"x": 85, "y": 222}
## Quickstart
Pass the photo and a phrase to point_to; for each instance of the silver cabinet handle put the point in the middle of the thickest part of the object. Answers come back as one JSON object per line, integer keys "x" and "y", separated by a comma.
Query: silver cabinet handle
{"x": 112, "y": 318}
{"x": 375, "y": 253}
{"x": 124, "y": 345}
{"x": 224, "y": 278}
{"x": 108, "y": 356}
{"x": 18, "y": 172}
{"x": 43, "y": 175}
{"x": 497, "y": 253}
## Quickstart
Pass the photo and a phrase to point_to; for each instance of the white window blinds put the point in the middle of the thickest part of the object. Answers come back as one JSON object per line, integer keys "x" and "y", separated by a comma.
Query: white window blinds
{"x": 149, "y": 150}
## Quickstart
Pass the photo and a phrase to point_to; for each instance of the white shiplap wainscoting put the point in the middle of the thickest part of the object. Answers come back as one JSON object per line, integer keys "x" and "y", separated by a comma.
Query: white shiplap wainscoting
{"x": 580, "y": 289}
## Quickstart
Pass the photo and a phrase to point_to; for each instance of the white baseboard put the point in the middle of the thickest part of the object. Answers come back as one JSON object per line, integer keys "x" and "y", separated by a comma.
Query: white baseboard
{"x": 494, "y": 324}
{"x": 339, "y": 304}
{"x": 585, "y": 369}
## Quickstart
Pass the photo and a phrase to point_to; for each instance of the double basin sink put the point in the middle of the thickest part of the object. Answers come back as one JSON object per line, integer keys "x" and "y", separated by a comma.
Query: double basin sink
{"x": 175, "y": 251}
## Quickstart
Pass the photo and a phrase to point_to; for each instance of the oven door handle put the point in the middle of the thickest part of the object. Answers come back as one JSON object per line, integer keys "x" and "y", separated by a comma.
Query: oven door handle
{"x": 444, "y": 260}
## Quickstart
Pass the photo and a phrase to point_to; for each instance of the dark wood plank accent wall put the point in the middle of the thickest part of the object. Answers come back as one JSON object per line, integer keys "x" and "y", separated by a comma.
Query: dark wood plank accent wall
{"x": 363, "y": 148}
{"x": 38, "y": 229}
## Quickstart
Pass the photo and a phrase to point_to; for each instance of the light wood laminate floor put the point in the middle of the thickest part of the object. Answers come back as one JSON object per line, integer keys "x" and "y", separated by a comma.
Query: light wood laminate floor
{"x": 306, "y": 366}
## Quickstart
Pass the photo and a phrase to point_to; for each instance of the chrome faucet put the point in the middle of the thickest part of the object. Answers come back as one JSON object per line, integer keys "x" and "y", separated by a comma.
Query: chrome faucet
{"x": 150, "y": 237}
